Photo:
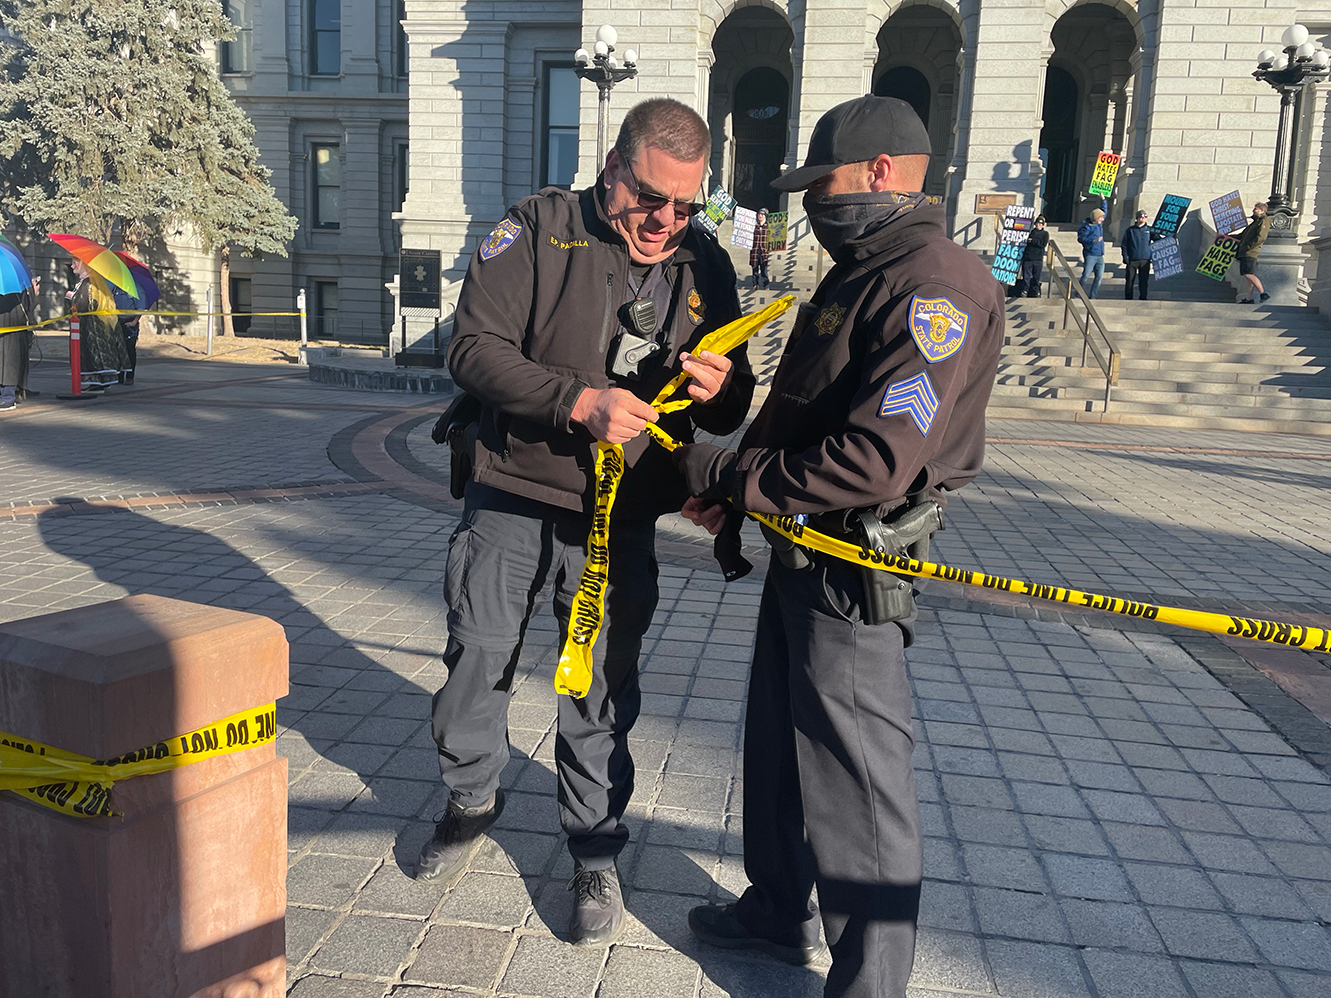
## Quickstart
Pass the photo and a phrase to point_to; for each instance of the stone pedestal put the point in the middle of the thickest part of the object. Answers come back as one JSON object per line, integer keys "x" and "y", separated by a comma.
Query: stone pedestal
{"x": 1320, "y": 295}
{"x": 186, "y": 895}
{"x": 1280, "y": 266}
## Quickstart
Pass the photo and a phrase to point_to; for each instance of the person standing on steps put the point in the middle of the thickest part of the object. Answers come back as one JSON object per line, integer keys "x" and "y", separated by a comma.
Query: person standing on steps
{"x": 758, "y": 254}
{"x": 1136, "y": 248}
{"x": 1091, "y": 235}
{"x": 1251, "y": 240}
{"x": 1032, "y": 261}
{"x": 575, "y": 311}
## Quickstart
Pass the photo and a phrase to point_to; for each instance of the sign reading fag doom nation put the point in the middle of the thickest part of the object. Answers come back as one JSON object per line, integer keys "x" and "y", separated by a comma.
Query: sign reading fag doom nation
{"x": 746, "y": 219}
{"x": 1017, "y": 221}
{"x": 1165, "y": 258}
{"x": 1170, "y": 216}
{"x": 776, "y": 230}
{"x": 1228, "y": 213}
{"x": 1106, "y": 171}
{"x": 1218, "y": 258}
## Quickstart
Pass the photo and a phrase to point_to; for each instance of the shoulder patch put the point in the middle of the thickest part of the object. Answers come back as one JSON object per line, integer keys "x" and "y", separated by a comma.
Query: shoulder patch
{"x": 500, "y": 239}
{"x": 939, "y": 327}
{"x": 914, "y": 396}
{"x": 829, "y": 320}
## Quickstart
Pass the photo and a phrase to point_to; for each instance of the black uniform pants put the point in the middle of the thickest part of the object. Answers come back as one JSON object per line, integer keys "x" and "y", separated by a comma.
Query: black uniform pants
{"x": 507, "y": 554}
{"x": 1140, "y": 271}
{"x": 1028, "y": 284}
{"x": 829, "y": 792}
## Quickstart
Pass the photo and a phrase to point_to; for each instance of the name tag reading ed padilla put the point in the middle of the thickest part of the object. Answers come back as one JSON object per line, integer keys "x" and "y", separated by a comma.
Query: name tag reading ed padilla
{"x": 938, "y": 326}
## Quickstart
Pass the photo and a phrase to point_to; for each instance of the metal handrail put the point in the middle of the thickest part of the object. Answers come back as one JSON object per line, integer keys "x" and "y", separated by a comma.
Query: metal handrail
{"x": 1106, "y": 352}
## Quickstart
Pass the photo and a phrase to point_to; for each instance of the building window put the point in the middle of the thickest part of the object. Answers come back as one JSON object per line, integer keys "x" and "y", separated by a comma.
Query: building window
{"x": 559, "y": 126}
{"x": 325, "y": 37}
{"x": 242, "y": 300}
{"x": 401, "y": 57}
{"x": 236, "y": 54}
{"x": 327, "y": 185}
{"x": 325, "y": 310}
{"x": 402, "y": 173}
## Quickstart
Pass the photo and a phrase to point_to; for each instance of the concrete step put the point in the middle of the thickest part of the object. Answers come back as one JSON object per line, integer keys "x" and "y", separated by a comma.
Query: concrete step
{"x": 1092, "y": 414}
{"x": 1071, "y": 376}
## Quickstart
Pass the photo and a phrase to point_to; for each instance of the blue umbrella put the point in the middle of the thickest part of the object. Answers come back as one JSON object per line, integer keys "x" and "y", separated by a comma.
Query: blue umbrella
{"x": 14, "y": 273}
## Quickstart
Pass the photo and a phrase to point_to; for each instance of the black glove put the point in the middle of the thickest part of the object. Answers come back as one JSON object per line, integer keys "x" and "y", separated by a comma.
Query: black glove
{"x": 708, "y": 470}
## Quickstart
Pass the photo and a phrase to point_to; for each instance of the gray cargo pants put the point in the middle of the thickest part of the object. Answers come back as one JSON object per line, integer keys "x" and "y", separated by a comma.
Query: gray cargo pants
{"x": 507, "y": 555}
{"x": 829, "y": 791}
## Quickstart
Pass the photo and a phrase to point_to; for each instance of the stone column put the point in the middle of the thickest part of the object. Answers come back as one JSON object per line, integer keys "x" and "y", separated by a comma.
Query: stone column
{"x": 185, "y": 896}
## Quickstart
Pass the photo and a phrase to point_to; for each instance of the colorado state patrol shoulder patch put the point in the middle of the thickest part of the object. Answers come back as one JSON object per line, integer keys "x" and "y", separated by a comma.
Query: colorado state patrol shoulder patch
{"x": 500, "y": 239}
{"x": 914, "y": 396}
{"x": 939, "y": 327}
{"x": 829, "y": 320}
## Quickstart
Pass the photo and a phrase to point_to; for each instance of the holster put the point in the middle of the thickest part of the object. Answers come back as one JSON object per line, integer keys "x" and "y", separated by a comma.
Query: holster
{"x": 789, "y": 553}
{"x": 458, "y": 427}
{"x": 906, "y": 531}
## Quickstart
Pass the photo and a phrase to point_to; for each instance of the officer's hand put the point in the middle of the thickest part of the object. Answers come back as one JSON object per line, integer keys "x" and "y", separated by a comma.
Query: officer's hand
{"x": 708, "y": 470}
{"x": 612, "y": 414}
{"x": 710, "y": 517}
{"x": 711, "y": 374}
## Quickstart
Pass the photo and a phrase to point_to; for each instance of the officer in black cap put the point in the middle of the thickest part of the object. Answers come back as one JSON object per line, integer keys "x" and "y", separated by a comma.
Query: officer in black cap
{"x": 876, "y": 411}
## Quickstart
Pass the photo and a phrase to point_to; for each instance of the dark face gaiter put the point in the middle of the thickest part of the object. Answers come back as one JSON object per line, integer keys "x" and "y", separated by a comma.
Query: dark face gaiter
{"x": 840, "y": 219}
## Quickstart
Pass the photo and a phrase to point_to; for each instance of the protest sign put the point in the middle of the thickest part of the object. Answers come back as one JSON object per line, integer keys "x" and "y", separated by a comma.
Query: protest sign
{"x": 718, "y": 209}
{"x": 746, "y": 219}
{"x": 1165, "y": 259}
{"x": 1218, "y": 258}
{"x": 1170, "y": 215}
{"x": 1017, "y": 222}
{"x": 776, "y": 230}
{"x": 1228, "y": 213}
{"x": 1106, "y": 170}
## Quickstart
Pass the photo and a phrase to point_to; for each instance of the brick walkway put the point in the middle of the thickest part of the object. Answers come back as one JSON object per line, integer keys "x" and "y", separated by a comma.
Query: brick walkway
{"x": 1112, "y": 808}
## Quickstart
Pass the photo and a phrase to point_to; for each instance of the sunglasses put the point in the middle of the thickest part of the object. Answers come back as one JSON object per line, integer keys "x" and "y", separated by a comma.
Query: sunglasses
{"x": 654, "y": 202}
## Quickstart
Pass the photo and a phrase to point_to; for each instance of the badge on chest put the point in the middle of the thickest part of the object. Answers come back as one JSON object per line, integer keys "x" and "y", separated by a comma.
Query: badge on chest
{"x": 938, "y": 326}
{"x": 829, "y": 320}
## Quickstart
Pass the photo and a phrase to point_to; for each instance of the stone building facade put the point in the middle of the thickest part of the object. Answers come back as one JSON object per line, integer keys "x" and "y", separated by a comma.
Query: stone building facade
{"x": 1019, "y": 97}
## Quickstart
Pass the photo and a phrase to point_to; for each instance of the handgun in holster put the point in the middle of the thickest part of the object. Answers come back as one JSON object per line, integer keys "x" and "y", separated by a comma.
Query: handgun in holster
{"x": 458, "y": 427}
{"x": 905, "y": 531}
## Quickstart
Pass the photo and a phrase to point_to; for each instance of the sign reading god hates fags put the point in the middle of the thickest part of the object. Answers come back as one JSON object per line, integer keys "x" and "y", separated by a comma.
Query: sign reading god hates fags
{"x": 1106, "y": 172}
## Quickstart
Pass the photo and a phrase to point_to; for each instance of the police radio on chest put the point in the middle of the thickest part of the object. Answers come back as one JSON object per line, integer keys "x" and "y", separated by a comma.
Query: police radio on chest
{"x": 636, "y": 344}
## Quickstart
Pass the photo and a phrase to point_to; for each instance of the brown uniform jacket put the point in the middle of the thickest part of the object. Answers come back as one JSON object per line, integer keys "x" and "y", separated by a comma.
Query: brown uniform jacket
{"x": 536, "y": 318}
{"x": 883, "y": 390}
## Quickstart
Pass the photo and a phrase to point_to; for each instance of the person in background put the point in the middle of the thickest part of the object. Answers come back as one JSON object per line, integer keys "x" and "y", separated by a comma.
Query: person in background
{"x": 1091, "y": 235}
{"x": 1251, "y": 240}
{"x": 1136, "y": 247}
{"x": 758, "y": 255}
{"x": 128, "y": 326}
{"x": 102, "y": 353}
{"x": 1032, "y": 261}
{"x": 17, "y": 309}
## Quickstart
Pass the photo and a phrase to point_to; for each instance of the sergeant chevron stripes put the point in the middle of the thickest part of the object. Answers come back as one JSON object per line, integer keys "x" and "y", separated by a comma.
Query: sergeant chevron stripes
{"x": 915, "y": 396}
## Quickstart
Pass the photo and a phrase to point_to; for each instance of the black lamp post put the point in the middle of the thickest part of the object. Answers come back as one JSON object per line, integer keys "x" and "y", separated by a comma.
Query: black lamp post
{"x": 1302, "y": 62}
{"x": 603, "y": 69}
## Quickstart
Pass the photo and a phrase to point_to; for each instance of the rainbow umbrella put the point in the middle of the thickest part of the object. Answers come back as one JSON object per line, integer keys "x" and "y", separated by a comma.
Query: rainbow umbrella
{"x": 99, "y": 259}
{"x": 148, "y": 291}
{"x": 14, "y": 273}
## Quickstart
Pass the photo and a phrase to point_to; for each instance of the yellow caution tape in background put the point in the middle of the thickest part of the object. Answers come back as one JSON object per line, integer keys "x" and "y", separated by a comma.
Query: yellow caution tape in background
{"x": 77, "y": 785}
{"x": 573, "y": 675}
{"x": 130, "y": 311}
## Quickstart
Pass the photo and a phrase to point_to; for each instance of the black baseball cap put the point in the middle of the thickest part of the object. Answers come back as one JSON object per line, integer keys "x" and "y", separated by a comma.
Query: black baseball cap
{"x": 856, "y": 131}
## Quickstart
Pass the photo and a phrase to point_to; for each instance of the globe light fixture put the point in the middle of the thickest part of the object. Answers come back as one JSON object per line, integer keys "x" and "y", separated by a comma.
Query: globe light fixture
{"x": 1301, "y": 64}
{"x": 604, "y": 69}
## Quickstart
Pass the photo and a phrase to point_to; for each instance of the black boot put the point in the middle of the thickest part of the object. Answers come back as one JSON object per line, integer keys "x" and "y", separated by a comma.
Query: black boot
{"x": 456, "y": 840}
{"x": 719, "y": 925}
{"x": 598, "y": 907}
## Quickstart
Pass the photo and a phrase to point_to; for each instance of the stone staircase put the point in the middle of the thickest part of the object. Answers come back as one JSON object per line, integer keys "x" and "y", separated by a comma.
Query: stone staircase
{"x": 1184, "y": 363}
{"x": 1187, "y": 286}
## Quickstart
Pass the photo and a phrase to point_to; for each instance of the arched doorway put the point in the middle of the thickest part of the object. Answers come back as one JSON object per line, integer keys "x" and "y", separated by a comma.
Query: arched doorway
{"x": 749, "y": 104}
{"x": 906, "y": 83}
{"x": 918, "y": 48}
{"x": 1058, "y": 145}
{"x": 761, "y": 109}
{"x": 1089, "y": 87}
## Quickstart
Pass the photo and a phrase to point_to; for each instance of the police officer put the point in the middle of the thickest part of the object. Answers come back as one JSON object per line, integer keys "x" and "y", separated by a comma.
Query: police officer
{"x": 877, "y": 408}
{"x": 575, "y": 310}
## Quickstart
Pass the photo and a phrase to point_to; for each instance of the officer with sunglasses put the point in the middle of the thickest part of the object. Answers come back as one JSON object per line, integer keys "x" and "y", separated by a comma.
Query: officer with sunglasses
{"x": 576, "y": 310}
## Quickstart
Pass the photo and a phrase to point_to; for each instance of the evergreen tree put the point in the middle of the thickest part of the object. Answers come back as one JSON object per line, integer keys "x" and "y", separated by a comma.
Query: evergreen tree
{"x": 114, "y": 124}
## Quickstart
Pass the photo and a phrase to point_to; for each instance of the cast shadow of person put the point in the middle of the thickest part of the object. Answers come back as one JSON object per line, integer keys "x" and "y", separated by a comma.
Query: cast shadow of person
{"x": 367, "y": 762}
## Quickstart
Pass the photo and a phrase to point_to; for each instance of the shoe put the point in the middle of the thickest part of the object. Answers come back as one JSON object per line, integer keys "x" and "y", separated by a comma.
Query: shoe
{"x": 456, "y": 840}
{"x": 598, "y": 907}
{"x": 1263, "y": 297}
{"x": 6, "y": 406}
{"x": 719, "y": 925}
{"x": 127, "y": 378}
{"x": 1246, "y": 301}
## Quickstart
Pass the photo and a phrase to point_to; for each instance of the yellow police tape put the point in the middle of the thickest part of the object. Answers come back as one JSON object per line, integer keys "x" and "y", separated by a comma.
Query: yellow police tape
{"x": 76, "y": 785}
{"x": 1270, "y": 631}
{"x": 573, "y": 676}
{"x": 129, "y": 311}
